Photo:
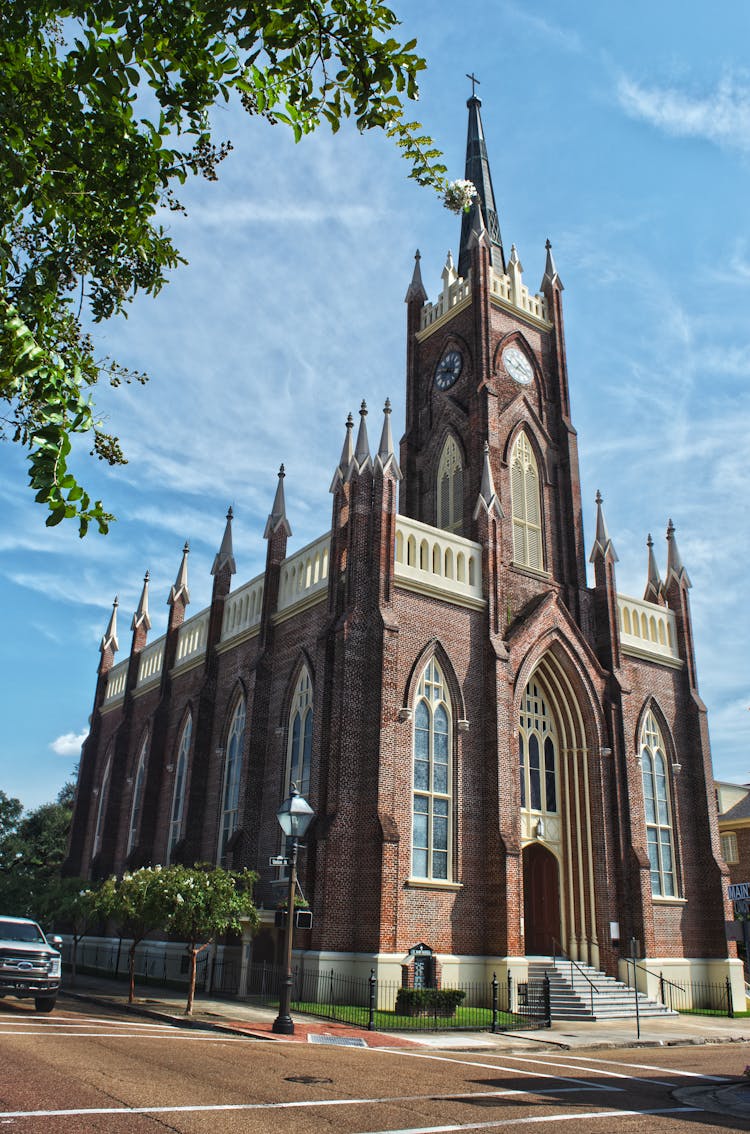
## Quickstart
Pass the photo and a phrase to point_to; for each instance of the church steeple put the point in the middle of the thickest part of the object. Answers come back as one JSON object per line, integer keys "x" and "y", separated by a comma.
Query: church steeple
{"x": 478, "y": 172}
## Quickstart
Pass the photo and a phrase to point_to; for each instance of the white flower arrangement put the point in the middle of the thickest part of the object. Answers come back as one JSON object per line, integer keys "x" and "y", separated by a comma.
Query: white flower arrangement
{"x": 459, "y": 195}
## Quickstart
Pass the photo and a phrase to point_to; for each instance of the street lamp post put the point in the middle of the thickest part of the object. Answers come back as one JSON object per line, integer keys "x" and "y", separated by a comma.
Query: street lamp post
{"x": 295, "y": 816}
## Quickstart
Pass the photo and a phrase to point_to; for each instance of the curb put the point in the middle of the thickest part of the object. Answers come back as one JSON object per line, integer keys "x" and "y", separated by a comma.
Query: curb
{"x": 191, "y": 1022}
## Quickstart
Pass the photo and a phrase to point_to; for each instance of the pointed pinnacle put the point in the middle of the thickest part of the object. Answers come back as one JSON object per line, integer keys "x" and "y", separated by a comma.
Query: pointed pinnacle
{"x": 110, "y": 634}
{"x": 602, "y": 543}
{"x": 225, "y": 555}
{"x": 362, "y": 450}
{"x": 180, "y": 588}
{"x": 141, "y": 616}
{"x": 277, "y": 518}
{"x": 487, "y": 499}
{"x": 415, "y": 290}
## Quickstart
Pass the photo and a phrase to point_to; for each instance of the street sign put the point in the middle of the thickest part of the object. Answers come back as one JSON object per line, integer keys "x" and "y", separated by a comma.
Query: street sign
{"x": 736, "y": 891}
{"x": 278, "y": 860}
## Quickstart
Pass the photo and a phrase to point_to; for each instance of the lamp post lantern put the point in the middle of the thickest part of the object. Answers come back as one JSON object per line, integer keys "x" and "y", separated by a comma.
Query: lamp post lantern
{"x": 295, "y": 815}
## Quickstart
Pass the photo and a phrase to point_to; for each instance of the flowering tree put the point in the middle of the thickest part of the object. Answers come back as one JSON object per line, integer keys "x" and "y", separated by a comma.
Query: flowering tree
{"x": 203, "y": 903}
{"x": 138, "y": 903}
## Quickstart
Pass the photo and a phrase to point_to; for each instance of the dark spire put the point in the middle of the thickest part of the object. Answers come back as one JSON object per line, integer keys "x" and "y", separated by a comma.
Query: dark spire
{"x": 225, "y": 555}
{"x": 416, "y": 287}
{"x": 654, "y": 586}
{"x": 109, "y": 641}
{"x": 141, "y": 616}
{"x": 602, "y": 544}
{"x": 478, "y": 172}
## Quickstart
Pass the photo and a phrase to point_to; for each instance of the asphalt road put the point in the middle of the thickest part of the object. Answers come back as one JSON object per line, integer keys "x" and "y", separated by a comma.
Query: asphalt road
{"x": 84, "y": 1069}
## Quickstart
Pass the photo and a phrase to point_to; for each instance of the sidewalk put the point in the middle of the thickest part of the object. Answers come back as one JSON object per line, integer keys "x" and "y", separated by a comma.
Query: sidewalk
{"x": 249, "y": 1019}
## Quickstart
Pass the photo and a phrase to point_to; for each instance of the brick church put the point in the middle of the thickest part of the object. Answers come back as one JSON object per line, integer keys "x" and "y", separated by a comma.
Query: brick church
{"x": 503, "y": 760}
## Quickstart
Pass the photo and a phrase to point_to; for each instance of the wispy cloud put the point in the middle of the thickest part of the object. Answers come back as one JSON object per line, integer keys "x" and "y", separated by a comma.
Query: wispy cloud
{"x": 720, "y": 116}
{"x": 69, "y": 744}
{"x": 562, "y": 37}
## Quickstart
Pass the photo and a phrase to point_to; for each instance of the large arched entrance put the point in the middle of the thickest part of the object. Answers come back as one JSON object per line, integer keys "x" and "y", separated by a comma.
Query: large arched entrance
{"x": 541, "y": 901}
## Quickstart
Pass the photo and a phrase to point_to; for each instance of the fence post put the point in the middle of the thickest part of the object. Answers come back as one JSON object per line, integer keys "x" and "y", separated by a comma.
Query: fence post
{"x": 547, "y": 1004}
{"x": 730, "y": 1005}
{"x": 330, "y": 998}
{"x": 371, "y": 1017}
{"x": 494, "y": 999}
{"x": 510, "y": 992}
{"x": 661, "y": 989}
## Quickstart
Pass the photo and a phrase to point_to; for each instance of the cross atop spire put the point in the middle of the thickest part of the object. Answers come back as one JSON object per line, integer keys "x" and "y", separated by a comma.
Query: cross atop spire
{"x": 474, "y": 83}
{"x": 478, "y": 172}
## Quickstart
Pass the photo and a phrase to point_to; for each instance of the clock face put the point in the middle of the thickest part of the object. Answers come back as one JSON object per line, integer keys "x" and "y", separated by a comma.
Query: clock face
{"x": 518, "y": 366}
{"x": 448, "y": 370}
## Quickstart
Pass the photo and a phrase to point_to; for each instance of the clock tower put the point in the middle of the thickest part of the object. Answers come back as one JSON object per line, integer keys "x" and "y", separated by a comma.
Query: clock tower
{"x": 486, "y": 365}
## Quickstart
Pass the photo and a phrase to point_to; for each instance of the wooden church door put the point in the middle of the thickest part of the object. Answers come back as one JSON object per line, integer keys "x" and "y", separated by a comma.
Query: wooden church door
{"x": 541, "y": 900}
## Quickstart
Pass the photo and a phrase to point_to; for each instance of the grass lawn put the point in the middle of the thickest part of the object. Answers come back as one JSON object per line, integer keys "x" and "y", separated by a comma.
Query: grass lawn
{"x": 474, "y": 1018}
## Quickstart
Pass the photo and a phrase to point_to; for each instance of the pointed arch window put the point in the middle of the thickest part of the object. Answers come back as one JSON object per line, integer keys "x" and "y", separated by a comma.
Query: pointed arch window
{"x": 138, "y": 788}
{"x": 537, "y": 753}
{"x": 657, "y": 804}
{"x": 299, "y": 748}
{"x": 433, "y": 777}
{"x": 180, "y": 784}
{"x": 526, "y": 507}
{"x": 230, "y": 793}
{"x": 450, "y": 488}
{"x": 102, "y": 808}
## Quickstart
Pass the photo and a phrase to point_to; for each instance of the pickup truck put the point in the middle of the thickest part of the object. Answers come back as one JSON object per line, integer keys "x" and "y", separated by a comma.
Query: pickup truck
{"x": 30, "y": 963}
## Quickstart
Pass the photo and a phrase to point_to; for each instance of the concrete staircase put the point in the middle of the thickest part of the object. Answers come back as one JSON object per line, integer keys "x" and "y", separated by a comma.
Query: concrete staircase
{"x": 573, "y": 998}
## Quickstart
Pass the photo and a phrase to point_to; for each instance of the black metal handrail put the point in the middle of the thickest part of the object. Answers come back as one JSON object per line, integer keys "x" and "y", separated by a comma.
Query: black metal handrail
{"x": 571, "y": 962}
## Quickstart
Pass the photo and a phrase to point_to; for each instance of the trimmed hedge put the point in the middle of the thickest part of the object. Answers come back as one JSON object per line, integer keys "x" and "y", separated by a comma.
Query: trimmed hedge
{"x": 428, "y": 1001}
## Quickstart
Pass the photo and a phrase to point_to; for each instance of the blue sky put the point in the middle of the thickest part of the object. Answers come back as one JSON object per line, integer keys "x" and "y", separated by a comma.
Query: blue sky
{"x": 622, "y": 133}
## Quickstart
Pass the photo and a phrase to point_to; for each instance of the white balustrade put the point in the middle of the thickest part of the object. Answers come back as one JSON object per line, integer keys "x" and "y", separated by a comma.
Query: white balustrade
{"x": 434, "y": 561}
{"x": 305, "y": 573}
{"x": 451, "y": 296}
{"x": 191, "y": 639}
{"x": 518, "y": 295}
{"x": 150, "y": 664}
{"x": 647, "y": 628}
{"x": 115, "y": 690}
{"x": 242, "y": 609}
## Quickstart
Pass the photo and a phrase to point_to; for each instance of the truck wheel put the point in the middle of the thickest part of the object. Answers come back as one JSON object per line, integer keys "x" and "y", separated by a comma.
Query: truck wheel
{"x": 45, "y": 1003}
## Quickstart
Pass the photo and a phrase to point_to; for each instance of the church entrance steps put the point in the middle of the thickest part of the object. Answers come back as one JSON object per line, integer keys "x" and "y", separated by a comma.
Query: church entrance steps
{"x": 580, "y": 992}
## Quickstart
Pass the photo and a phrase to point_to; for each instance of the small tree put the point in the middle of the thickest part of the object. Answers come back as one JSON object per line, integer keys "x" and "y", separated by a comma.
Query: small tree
{"x": 73, "y": 906}
{"x": 138, "y": 903}
{"x": 205, "y": 902}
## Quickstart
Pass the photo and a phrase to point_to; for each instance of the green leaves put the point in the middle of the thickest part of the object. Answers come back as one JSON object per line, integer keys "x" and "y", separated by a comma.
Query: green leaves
{"x": 87, "y": 162}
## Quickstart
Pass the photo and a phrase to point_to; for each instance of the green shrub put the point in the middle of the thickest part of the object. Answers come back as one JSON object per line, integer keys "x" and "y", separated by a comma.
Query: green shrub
{"x": 428, "y": 1001}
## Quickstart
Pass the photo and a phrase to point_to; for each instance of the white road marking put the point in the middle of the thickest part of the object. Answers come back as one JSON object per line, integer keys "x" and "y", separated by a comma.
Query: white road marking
{"x": 495, "y": 1066}
{"x": 453, "y": 1096}
{"x": 649, "y": 1067}
{"x": 536, "y": 1118}
{"x": 609, "y": 1074}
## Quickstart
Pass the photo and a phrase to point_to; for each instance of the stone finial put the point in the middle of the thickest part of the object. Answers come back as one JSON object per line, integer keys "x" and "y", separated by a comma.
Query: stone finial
{"x": 180, "y": 588}
{"x": 109, "y": 641}
{"x": 277, "y": 518}
{"x": 603, "y": 546}
{"x": 141, "y": 616}
{"x": 449, "y": 274}
{"x": 487, "y": 500}
{"x": 225, "y": 556}
{"x": 675, "y": 567}
{"x": 654, "y": 585}
{"x": 415, "y": 290}
{"x": 477, "y": 229}
{"x": 386, "y": 457}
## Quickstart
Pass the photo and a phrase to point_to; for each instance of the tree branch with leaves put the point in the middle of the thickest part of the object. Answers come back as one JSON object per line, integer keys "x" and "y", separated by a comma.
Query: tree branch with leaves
{"x": 105, "y": 106}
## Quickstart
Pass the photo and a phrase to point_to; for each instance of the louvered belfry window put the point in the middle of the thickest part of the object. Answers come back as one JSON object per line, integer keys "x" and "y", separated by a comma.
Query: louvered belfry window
{"x": 450, "y": 489}
{"x": 526, "y": 505}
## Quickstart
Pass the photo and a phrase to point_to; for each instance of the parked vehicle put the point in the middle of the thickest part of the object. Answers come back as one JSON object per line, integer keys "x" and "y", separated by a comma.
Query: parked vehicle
{"x": 30, "y": 963}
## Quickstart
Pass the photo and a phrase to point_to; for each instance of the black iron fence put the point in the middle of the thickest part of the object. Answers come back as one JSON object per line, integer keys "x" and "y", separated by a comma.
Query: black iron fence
{"x": 698, "y": 998}
{"x": 385, "y": 1006}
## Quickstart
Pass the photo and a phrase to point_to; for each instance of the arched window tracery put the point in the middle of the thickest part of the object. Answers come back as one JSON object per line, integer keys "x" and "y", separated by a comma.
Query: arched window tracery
{"x": 176, "y": 814}
{"x": 537, "y": 753}
{"x": 299, "y": 747}
{"x": 138, "y": 788}
{"x": 526, "y": 507}
{"x": 230, "y": 795}
{"x": 450, "y": 488}
{"x": 433, "y": 777}
{"x": 658, "y": 809}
